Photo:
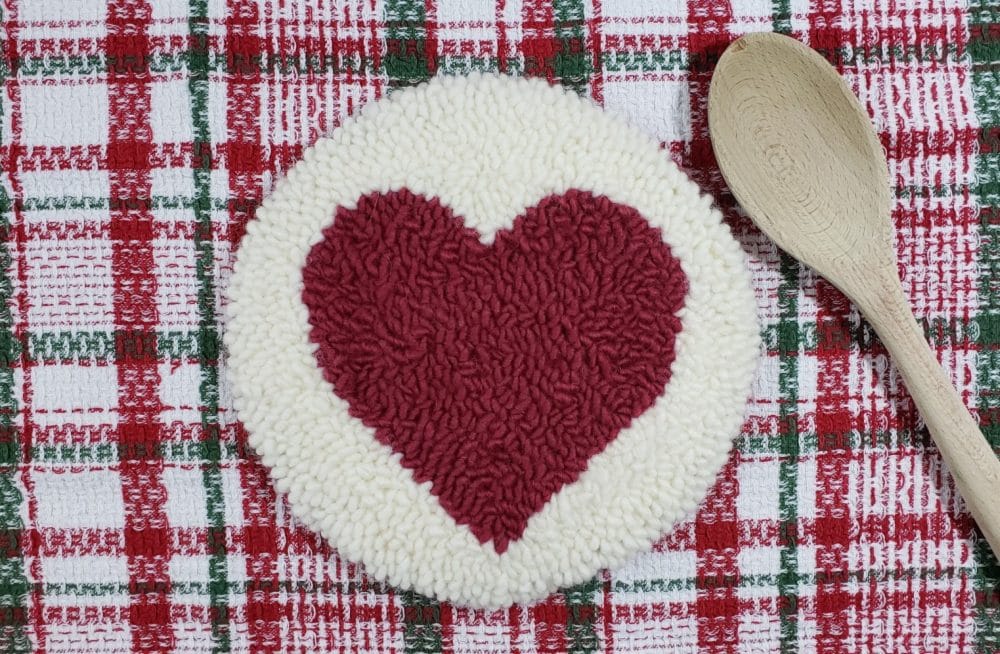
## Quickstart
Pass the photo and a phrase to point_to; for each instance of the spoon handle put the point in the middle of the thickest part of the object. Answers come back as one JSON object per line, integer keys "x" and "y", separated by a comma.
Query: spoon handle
{"x": 965, "y": 450}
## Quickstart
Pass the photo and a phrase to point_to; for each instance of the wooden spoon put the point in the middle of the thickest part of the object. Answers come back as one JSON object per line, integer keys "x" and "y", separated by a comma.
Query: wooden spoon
{"x": 802, "y": 158}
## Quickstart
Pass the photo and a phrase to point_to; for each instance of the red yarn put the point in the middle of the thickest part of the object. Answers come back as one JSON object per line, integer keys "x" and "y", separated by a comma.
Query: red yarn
{"x": 495, "y": 371}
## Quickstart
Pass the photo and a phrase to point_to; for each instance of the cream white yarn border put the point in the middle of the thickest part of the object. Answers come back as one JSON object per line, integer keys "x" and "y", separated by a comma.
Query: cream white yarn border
{"x": 489, "y": 147}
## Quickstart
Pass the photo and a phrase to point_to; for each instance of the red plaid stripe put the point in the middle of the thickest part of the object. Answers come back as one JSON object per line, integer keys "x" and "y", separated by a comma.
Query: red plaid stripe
{"x": 717, "y": 539}
{"x": 130, "y": 140}
{"x": 260, "y": 545}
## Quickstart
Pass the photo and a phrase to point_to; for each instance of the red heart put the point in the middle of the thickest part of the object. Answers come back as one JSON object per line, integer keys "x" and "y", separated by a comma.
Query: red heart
{"x": 498, "y": 371}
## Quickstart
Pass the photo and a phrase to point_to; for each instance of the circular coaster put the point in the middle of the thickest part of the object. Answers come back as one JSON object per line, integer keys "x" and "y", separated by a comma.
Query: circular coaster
{"x": 489, "y": 340}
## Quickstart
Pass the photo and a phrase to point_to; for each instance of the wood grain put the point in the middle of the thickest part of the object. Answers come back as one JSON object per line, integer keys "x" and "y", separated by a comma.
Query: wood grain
{"x": 802, "y": 158}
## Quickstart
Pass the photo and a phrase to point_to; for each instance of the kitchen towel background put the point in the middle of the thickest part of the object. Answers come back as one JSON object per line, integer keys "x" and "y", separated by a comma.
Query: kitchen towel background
{"x": 139, "y": 136}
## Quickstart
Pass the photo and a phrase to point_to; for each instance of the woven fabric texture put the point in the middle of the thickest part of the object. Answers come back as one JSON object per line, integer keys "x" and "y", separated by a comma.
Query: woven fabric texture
{"x": 138, "y": 136}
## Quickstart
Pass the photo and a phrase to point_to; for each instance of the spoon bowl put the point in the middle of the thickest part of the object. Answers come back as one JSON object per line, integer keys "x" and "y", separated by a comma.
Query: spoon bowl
{"x": 822, "y": 195}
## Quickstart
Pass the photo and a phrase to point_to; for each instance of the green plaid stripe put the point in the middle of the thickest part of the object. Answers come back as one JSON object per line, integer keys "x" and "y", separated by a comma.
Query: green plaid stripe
{"x": 406, "y": 61}
{"x": 652, "y": 60}
{"x": 182, "y": 451}
{"x": 13, "y": 580}
{"x": 208, "y": 341}
{"x": 570, "y": 64}
{"x": 781, "y": 16}
{"x": 984, "y": 48}
{"x": 422, "y": 625}
{"x": 628, "y": 61}
{"x": 788, "y": 443}
{"x": 789, "y": 340}
{"x": 582, "y": 612}
{"x": 98, "y": 347}
{"x": 274, "y": 63}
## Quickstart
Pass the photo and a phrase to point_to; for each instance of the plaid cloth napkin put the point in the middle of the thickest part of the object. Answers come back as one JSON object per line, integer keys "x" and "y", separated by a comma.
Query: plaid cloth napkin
{"x": 137, "y": 138}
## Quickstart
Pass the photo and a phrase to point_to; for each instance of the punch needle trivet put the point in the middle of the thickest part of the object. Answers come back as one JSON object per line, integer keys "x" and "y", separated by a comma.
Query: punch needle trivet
{"x": 490, "y": 340}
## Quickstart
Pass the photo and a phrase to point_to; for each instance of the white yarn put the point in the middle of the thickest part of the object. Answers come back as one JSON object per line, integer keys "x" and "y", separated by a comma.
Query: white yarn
{"x": 489, "y": 147}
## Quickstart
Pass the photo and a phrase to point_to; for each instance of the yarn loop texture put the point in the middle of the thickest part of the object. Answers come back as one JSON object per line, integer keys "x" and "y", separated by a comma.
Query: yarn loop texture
{"x": 495, "y": 371}
{"x": 489, "y": 339}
